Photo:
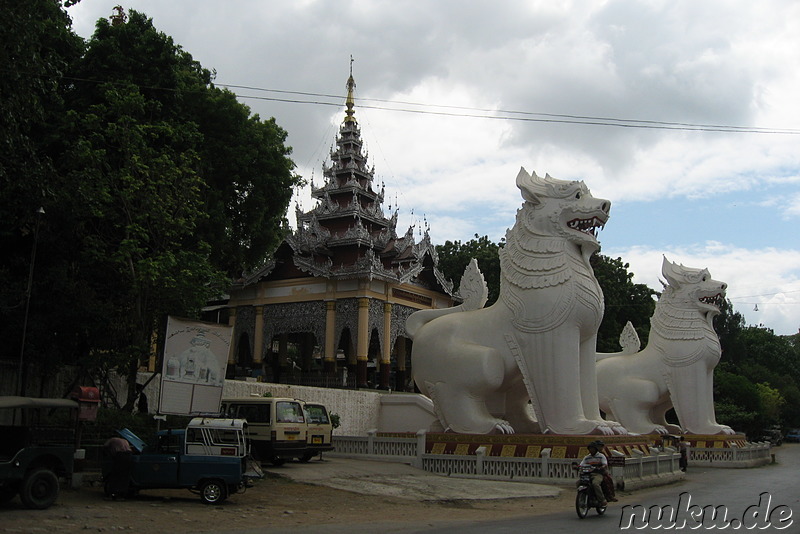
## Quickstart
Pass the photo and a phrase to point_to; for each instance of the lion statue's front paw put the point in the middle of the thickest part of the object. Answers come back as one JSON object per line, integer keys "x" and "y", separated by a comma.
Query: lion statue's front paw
{"x": 616, "y": 427}
{"x": 503, "y": 427}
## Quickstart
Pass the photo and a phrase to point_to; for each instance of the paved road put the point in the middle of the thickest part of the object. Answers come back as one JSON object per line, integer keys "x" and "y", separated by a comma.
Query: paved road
{"x": 765, "y": 499}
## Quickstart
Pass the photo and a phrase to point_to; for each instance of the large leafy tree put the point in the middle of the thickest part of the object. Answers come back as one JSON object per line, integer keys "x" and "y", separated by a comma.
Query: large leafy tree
{"x": 183, "y": 184}
{"x": 769, "y": 367}
{"x": 454, "y": 256}
{"x": 156, "y": 185}
{"x": 38, "y": 50}
{"x": 624, "y": 301}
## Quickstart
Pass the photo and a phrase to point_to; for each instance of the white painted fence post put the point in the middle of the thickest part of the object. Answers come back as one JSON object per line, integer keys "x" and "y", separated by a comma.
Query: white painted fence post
{"x": 371, "y": 441}
{"x": 618, "y": 472}
{"x": 421, "y": 437}
{"x": 480, "y": 454}
{"x": 639, "y": 457}
{"x": 546, "y": 462}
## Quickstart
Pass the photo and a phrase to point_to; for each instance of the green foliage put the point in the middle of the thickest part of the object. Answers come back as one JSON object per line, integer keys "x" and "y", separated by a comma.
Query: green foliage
{"x": 267, "y": 394}
{"x": 454, "y": 256}
{"x": 335, "y": 420}
{"x": 157, "y": 186}
{"x": 624, "y": 301}
{"x": 766, "y": 367}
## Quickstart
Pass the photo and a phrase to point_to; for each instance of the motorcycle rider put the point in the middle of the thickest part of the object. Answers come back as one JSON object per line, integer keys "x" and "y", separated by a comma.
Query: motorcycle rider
{"x": 599, "y": 462}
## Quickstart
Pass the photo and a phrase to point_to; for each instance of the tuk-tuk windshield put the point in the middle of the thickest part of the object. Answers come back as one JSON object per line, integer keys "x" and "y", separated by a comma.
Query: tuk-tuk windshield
{"x": 289, "y": 412}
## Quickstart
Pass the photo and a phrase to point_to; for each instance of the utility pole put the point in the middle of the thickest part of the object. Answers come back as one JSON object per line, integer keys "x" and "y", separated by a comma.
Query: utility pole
{"x": 21, "y": 371}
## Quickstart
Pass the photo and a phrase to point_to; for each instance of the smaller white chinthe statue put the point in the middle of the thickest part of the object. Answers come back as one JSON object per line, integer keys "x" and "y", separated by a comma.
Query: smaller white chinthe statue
{"x": 676, "y": 369}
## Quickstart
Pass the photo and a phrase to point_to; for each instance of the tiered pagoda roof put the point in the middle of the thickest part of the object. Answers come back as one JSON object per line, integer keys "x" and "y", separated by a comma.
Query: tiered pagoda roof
{"x": 347, "y": 235}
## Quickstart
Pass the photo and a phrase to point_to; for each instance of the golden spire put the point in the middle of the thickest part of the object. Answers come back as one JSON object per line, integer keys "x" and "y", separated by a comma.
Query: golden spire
{"x": 350, "y": 102}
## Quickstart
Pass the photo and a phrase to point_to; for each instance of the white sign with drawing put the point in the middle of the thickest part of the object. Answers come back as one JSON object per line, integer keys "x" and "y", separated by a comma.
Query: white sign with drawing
{"x": 193, "y": 372}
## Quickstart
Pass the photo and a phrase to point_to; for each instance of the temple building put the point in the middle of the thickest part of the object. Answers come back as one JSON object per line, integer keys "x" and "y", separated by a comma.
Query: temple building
{"x": 331, "y": 304}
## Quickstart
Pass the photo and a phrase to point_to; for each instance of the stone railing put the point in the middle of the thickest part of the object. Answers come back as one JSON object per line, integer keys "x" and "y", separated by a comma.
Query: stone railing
{"x": 634, "y": 472}
{"x": 753, "y": 455}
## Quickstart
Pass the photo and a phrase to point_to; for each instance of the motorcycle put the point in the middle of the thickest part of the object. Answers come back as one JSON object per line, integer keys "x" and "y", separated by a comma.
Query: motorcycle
{"x": 586, "y": 499}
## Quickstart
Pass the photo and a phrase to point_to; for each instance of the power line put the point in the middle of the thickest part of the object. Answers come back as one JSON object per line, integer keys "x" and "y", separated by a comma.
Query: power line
{"x": 468, "y": 112}
{"x": 501, "y": 114}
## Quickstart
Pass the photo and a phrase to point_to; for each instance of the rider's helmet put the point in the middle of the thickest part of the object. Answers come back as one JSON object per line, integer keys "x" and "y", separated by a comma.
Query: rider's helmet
{"x": 597, "y": 444}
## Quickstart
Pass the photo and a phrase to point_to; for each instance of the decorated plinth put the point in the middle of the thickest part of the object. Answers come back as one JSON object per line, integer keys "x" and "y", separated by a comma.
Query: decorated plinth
{"x": 560, "y": 445}
{"x": 703, "y": 441}
{"x": 529, "y": 445}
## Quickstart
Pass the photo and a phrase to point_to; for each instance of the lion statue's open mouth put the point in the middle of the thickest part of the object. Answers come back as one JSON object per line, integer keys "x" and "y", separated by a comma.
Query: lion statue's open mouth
{"x": 588, "y": 226}
{"x": 715, "y": 300}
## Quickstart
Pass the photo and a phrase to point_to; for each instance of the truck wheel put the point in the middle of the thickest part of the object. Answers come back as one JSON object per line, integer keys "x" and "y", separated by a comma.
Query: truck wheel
{"x": 39, "y": 489}
{"x": 213, "y": 492}
{"x": 277, "y": 462}
{"x": 306, "y": 457}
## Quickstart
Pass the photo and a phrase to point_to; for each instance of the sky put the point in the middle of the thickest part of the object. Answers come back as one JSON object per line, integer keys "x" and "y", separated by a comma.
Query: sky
{"x": 684, "y": 114}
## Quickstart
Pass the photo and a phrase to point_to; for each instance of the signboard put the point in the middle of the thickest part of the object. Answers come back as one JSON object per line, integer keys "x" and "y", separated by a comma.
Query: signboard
{"x": 193, "y": 372}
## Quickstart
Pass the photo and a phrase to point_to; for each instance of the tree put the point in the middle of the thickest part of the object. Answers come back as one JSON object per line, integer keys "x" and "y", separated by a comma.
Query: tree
{"x": 155, "y": 185}
{"x": 249, "y": 174}
{"x": 38, "y": 50}
{"x": 624, "y": 301}
{"x": 454, "y": 256}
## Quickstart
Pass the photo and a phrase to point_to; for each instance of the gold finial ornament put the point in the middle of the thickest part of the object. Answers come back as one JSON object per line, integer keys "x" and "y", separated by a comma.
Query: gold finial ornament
{"x": 350, "y": 102}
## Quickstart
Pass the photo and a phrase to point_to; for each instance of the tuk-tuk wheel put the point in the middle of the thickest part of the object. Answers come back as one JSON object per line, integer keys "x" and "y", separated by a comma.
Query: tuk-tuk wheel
{"x": 213, "y": 492}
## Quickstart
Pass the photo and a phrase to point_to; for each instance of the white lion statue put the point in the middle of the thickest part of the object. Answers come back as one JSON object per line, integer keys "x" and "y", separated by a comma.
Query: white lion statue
{"x": 537, "y": 343}
{"x": 676, "y": 369}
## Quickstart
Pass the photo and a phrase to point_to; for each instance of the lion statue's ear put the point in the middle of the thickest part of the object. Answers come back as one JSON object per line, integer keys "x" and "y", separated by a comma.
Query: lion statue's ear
{"x": 668, "y": 269}
{"x": 531, "y": 186}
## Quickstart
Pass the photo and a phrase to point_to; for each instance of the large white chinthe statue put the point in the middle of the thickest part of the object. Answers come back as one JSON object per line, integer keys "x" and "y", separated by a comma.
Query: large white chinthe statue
{"x": 488, "y": 369}
{"x": 676, "y": 369}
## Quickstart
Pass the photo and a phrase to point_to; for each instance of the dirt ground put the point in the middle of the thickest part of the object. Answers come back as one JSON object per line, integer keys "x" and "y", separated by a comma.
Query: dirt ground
{"x": 275, "y": 502}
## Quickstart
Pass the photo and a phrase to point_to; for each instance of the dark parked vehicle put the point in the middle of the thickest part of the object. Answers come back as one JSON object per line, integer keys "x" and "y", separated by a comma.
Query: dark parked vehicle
{"x": 210, "y": 457}
{"x": 793, "y": 436}
{"x": 33, "y": 453}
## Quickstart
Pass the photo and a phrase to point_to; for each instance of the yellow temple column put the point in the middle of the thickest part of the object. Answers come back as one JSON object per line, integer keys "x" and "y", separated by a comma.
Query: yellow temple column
{"x": 329, "y": 362}
{"x": 362, "y": 346}
{"x": 400, "y": 358}
{"x": 386, "y": 349}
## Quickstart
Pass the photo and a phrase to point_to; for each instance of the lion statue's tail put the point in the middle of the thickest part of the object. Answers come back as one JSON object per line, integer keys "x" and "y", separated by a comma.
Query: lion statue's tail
{"x": 473, "y": 291}
{"x": 628, "y": 339}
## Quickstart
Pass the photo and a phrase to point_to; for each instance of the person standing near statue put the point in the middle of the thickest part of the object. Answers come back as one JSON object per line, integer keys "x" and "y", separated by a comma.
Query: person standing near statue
{"x": 683, "y": 448}
{"x": 119, "y": 450}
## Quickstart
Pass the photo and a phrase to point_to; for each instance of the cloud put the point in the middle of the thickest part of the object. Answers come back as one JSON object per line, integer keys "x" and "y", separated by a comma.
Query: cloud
{"x": 716, "y": 62}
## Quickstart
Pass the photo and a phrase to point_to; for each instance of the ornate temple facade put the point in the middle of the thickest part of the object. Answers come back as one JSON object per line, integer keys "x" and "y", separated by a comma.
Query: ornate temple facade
{"x": 333, "y": 300}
